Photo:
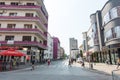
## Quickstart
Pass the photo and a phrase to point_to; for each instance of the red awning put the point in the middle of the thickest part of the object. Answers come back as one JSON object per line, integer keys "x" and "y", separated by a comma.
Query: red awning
{"x": 12, "y": 52}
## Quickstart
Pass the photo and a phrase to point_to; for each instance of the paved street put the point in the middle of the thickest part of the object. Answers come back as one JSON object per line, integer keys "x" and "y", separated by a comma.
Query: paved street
{"x": 58, "y": 70}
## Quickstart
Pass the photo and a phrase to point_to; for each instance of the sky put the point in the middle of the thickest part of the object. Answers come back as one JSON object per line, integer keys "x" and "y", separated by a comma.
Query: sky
{"x": 69, "y": 18}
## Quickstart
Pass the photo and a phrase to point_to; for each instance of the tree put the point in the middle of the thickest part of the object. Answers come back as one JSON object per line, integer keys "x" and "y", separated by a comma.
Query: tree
{"x": 81, "y": 53}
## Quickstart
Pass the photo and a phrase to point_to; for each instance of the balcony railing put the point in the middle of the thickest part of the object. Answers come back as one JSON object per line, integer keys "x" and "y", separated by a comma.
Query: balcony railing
{"x": 25, "y": 43}
{"x": 23, "y": 18}
{"x": 23, "y": 7}
{"x": 25, "y": 30}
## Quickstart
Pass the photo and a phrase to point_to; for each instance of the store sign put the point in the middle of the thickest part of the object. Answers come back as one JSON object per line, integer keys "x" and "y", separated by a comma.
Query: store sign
{"x": 10, "y": 42}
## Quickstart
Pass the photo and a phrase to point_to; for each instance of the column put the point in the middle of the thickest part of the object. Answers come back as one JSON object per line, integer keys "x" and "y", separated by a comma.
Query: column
{"x": 118, "y": 50}
{"x": 109, "y": 56}
{"x": 40, "y": 56}
{"x": 114, "y": 56}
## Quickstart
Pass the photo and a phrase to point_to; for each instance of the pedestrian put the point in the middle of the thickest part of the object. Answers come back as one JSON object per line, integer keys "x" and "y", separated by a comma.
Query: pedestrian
{"x": 118, "y": 63}
{"x": 83, "y": 64}
{"x": 48, "y": 62}
{"x": 33, "y": 62}
{"x": 107, "y": 61}
{"x": 69, "y": 62}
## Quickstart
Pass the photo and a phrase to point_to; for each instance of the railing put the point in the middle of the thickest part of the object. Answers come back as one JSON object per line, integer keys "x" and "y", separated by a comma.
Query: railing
{"x": 23, "y": 7}
{"x": 24, "y": 18}
{"x": 115, "y": 76}
{"x": 26, "y": 43}
{"x": 24, "y": 30}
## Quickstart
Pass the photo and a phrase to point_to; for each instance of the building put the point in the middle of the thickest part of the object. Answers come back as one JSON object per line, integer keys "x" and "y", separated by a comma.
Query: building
{"x": 105, "y": 30}
{"x": 73, "y": 48}
{"x": 48, "y": 54}
{"x": 62, "y": 52}
{"x": 110, "y": 15}
{"x": 24, "y": 23}
{"x": 56, "y": 48}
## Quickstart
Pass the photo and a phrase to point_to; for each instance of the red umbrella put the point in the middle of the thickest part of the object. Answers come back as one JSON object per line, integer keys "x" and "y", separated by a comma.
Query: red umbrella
{"x": 12, "y": 52}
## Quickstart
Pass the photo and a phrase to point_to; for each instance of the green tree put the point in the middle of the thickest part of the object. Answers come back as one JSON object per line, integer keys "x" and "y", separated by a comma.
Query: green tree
{"x": 81, "y": 53}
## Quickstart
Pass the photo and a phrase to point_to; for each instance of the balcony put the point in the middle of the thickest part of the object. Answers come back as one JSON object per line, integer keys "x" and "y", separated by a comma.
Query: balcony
{"x": 23, "y": 18}
{"x": 25, "y": 43}
{"x": 24, "y": 7}
{"x": 24, "y": 30}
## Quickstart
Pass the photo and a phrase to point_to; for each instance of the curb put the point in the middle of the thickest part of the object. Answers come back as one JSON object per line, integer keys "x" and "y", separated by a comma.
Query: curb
{"x": 97, "y": 71}
{"x": 20, "y": 69}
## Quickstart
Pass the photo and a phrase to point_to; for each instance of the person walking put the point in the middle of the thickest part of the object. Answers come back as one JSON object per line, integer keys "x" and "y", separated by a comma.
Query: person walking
{"x": 118, "y": 64}
{"x": 33, "y": 62}
{"x": 48, "y": 62}
{"x": 69, "y": 63}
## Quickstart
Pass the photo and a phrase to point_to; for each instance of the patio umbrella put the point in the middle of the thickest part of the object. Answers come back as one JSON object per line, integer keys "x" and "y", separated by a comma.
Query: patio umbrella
{"x": 12, "y": 52}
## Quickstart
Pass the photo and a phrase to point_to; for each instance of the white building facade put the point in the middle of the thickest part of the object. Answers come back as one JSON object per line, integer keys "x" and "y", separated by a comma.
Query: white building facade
{"x": 73, "y": 48}
{"x": 24, "y": 22}
{"x": 48, "y": 54}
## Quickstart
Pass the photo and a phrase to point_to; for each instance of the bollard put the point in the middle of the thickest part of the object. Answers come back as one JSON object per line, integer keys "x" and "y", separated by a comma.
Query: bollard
{"x": 91, "y": 66}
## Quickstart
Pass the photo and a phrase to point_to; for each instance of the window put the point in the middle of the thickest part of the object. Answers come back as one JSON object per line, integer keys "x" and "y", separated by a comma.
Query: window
{"x": 35, "y": 39}
{"x": 14, "y": 3}
{"x": 28, "y": 26}
{"x": 35, "y": 27}
{"x": 26, "y": 38}
{"x": 9, "y": 38}
{"x": 30, "y": 4}
{"x": 40, "y": 41}
{"x": 11, "y": 25}
{"x": 1, "y": 14}
{"x": 117, "y": 31}
{"x": 12, "y": 14}
{"x": 2, "y": 3}
{"x": 106, "y": 18}
{"x": 113, "y": 13}
{"x": 112, "y": 33}
{"x": 29, "y": 14}
{"x": 118, "y": 10}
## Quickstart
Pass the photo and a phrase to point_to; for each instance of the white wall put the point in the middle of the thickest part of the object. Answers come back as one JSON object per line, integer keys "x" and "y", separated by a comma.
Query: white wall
{"x": 49, "y": 52}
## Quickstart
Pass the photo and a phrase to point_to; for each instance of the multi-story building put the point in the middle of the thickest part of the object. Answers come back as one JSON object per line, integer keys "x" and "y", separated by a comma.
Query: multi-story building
{"x": 106, "y": 32}
{"x": 73, "y": 48}
{"x": 110, "y": 14}
{"x": 48, "y": 54}
{"x": 56, "y": 48}
{"x": 25, "y": 23}
{"x": 62, "y": 52}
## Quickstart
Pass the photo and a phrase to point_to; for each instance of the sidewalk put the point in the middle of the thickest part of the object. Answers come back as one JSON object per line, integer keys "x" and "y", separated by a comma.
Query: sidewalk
{"x": 24, "y": 66}
{"x": 101, "y": 67}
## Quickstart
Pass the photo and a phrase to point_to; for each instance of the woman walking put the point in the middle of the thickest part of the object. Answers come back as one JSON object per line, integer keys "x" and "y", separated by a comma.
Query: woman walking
{"x": 118, "y": 63}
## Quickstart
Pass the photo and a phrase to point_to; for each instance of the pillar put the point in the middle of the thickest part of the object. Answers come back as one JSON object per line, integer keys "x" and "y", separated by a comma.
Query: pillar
{"x": 109, "y": 56}
{"x": 118, "y": 50}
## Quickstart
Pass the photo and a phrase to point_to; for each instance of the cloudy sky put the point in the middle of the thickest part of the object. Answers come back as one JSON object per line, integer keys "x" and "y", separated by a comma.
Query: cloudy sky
{"x": 69, "y": 18}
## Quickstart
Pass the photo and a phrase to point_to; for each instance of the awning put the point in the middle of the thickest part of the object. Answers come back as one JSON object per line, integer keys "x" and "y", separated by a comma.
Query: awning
{"x": 12, "y": 52}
